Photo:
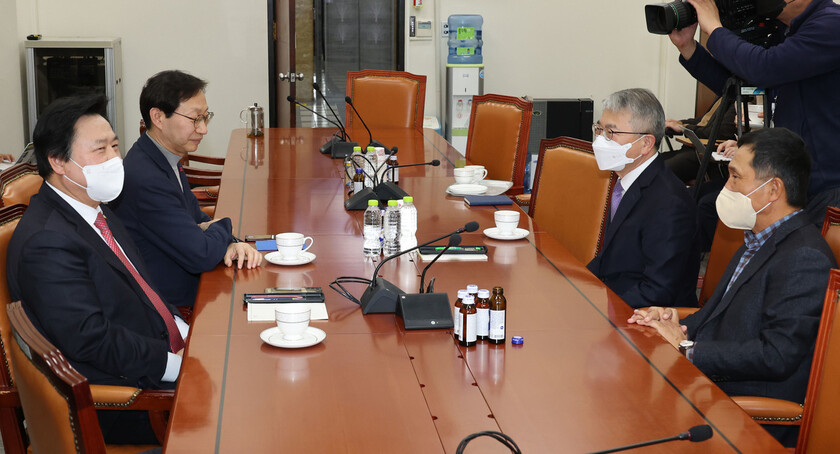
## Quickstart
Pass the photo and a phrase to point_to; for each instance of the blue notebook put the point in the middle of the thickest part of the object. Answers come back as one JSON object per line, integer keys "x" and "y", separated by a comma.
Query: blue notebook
{"x": 482, "y": 200}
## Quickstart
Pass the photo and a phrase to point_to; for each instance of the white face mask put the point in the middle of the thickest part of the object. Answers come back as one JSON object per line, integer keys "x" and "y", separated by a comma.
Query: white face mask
{"x": 611, "y": 155}
{"x": 104, "y": 181}
{"x": 735, "y": 209}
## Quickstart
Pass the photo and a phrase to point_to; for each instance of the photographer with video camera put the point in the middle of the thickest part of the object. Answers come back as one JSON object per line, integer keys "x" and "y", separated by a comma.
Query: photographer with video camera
{"x": 800, "y": 72}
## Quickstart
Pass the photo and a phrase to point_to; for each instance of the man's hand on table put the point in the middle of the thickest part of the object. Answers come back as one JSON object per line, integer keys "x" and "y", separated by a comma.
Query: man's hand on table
{"x": 664, "y": 320}
{"x": 244, "y": 255}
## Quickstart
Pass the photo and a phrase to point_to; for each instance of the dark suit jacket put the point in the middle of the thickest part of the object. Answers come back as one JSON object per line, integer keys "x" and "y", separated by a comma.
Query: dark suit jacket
{"x": 650, "y": 255}
{"x": 163, "y": 220}
{"x": 758, "y": 338}
{"x": 82, "y": 298}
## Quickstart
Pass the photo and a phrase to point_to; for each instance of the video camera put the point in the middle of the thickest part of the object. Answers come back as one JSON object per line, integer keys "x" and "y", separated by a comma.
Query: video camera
{"x": 752, "y": 20}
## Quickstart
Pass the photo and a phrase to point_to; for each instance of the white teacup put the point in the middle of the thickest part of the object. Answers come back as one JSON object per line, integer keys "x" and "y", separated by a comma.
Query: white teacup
{"x": 506, "y": 221}
{"x": 464, "y": 175}
{"x": 292, "y": 244}
{"x": 292, "y": 320}
{"x": 479, "y": 172}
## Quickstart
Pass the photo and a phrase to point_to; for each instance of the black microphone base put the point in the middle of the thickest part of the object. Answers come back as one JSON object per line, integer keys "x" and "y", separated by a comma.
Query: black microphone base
{"x": 389, "y": 191}
{"x": 359, "y": 200}
{"x": 426, "y": 311}
{"x": 327, "y": 147}
{"x": 381, "y": 298}
{"x": 341, "y": 150}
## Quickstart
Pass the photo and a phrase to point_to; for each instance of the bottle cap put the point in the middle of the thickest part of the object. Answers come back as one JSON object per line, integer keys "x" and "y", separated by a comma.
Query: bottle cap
{"x": 408, "y": 199}
{"x": 369, "y": 148}
{"x": 373, "y": 203}
{"x": 357, "y": 148}
{"x": 468, "y": 299}
{"x": 462, "y": 293}
{"x": 359, "y": 170}
{"x": 517, "y": 340}
{"x": 484, "y": 293}
{"x": 472, "y": 288}
{"x": 393, "y": 157}
{"x": 392, "y": 203}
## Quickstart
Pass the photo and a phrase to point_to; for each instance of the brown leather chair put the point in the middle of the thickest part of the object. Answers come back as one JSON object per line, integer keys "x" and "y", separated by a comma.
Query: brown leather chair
{"x": 57, "y": 401}
{"x": 724, "y": 245}
{"x": 818, "y": 415}
{"x": 386, "y": 99}
{"x": 106, "y": 397}
{"x": 498, "y": 137}
{"x": 571, "y": 196}
{"x": 11, "y": 416}
{"x": 831, "y": 230}
{"x": 18, "y": 184}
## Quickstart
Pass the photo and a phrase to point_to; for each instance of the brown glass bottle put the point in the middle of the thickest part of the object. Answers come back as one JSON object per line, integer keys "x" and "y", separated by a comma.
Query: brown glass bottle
{"x": 358, "y": 181}
{"x": 482, "y": 307}
{"x": 466, "y": 336}
{"x": 456, "y": 313}
{"x": 498, "y": 309}
{"x": 393, "y": 174}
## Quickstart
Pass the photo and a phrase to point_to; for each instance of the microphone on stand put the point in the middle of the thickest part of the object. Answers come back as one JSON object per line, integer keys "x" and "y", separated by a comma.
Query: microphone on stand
{"x": 294, "y": 101}
{"x": 380, "y": 297}
{"x": 337, "y": 148}
{"x": 382, "y": 191}
{"x": 454, "y": 241}
{"x": 695, "y": 434}
{"x": 373, "y": 143}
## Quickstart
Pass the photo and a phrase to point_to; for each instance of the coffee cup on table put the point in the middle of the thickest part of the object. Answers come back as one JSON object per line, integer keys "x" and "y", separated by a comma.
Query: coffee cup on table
{"x": 506, "y": 221}
{"x": 479, "y": 173}
{"x": 290, "y": 245}
{"x": 292, "y": 320}
{"x": 464, "y": 175}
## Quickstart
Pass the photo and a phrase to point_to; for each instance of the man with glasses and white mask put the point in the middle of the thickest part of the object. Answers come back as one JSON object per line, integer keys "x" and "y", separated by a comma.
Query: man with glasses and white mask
{"x": 755, "y": 336}
{"x": 649, "y": 255}
{"x": 178, "y": 241}
{"x": 80, "y": 278}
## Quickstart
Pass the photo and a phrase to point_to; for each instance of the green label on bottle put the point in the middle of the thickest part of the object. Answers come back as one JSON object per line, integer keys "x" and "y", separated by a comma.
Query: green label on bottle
{"x": 465, "y": 51}
{"x": 466, "y": 33}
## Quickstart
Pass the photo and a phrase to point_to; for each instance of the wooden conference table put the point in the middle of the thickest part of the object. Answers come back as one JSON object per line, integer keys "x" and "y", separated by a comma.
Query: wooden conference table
{"x": 583, "y": 380}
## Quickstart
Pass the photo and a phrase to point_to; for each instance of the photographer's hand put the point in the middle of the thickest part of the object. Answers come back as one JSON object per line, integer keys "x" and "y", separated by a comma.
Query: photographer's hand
{"x": 684, "y": 40}
{"x": 707, "y": 15}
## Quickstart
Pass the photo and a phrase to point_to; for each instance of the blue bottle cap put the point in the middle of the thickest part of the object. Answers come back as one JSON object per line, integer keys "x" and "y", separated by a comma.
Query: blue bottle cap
{"x": 517, "y": 340}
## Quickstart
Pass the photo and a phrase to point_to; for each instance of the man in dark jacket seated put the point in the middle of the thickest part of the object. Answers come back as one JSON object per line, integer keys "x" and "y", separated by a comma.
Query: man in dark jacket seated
{"x": 756, "y": 334}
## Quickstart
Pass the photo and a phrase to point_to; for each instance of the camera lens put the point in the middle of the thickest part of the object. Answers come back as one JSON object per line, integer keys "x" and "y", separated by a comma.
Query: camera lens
{"x": 663, "y": 18}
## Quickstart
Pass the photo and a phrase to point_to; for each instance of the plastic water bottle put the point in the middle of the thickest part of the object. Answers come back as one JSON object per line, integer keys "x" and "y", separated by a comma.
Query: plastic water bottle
{"x": 373, "y": 225}
{"x": 408, "y": 226}
{"x": 392, "y": 229}
{"x": 369, "y": 167}
{"x": 465, "y": 39}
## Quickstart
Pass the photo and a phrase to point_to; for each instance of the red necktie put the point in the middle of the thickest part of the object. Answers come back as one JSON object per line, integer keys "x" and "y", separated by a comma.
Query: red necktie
{"x": 176, "y": 342}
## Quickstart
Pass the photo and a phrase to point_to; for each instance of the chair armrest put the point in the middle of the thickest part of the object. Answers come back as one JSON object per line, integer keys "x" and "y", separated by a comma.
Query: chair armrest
{"x": 207, "y": 159}
{"x": 522, "y": 200}
{"x": 767, "y": 410}
{"x": 198, "y": 180}
{"x": 128, "y": 398}
{"x": 190, "y": 171}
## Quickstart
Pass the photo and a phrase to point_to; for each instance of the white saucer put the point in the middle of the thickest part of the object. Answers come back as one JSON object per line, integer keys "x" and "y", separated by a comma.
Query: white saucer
{"x": 496, "y": 187}
{"x": 517, "y": 234}
{"x": 460, "y": 190}
{"x": 311, "y": 336}
{"x": 302, "y": 259}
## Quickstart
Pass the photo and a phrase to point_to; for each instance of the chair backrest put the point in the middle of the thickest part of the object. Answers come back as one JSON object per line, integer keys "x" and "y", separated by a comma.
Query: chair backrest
{"x": 498, "y": 137}
{"x": 19, "y": 183}
{"x": 571, "y": 195}
{"x": 9, "y": 219}
{"x": 56, "y": 398}
{"x": 818, "y": 432}
{"x": 724, "y": 245}
{"x": 386, "y": 99}
{"x": 831, "y": 230}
